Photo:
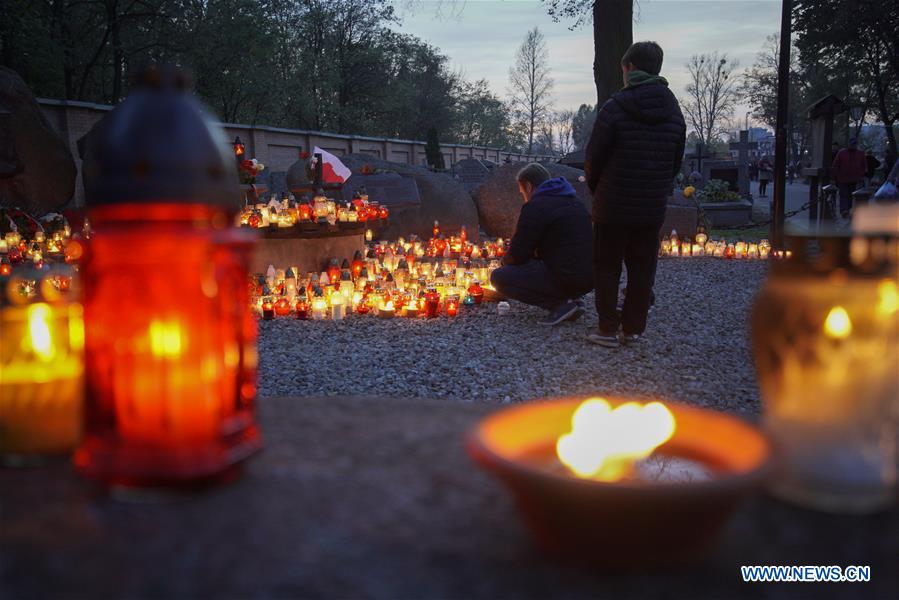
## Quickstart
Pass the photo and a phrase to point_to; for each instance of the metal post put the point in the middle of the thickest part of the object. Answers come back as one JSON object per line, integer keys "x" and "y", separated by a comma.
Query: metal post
{"x": 780, "y": 142}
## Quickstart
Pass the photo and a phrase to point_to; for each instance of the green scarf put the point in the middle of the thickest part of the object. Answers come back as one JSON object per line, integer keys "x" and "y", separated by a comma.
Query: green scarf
{"x": 637, "y": 77}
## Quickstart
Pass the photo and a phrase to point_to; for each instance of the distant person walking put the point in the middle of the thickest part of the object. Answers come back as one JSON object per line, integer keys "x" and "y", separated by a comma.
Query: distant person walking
{"x": 765, "y": 170}
{"x": 634, "y": 153}
{"x": 848, "y": 168}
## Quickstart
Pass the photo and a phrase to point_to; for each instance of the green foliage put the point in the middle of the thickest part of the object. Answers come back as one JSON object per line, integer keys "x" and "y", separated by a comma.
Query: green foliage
{"x": 855, "y": 42}
{"x": 332, "y": 65}
{"x": 582, "y": 125}
{"x": 716, "y": 190}
{"x": 432, "y": 151}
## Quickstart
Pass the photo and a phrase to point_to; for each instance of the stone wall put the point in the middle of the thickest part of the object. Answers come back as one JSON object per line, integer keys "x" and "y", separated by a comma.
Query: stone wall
{"x": 275, "y": 147}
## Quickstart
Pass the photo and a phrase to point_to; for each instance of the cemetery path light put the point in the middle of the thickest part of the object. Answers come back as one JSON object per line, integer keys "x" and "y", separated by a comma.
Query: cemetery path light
{"x": 170, "y": 343}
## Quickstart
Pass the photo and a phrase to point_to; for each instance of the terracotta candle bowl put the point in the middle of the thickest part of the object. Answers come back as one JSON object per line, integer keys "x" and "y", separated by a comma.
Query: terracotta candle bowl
{"x": 632, "y": 522}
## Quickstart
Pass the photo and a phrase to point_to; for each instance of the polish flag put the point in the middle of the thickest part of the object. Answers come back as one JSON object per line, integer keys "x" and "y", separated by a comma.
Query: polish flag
{"x": 333, "y": 171}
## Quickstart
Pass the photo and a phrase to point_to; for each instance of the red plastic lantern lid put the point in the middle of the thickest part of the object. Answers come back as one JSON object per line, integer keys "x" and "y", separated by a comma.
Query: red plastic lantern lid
{"x": 160, "y": 145}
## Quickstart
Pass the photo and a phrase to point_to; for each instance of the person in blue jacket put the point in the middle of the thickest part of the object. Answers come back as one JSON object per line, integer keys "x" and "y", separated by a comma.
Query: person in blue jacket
{"x": 549, "y": 261}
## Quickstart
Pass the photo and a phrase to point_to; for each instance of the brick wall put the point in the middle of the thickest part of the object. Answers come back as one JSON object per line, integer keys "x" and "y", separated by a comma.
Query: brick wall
{"x": 276, "y": 147}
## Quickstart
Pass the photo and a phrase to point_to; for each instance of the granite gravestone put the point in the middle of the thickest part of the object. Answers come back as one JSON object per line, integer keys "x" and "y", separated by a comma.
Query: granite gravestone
{"x": 9, "y": 160}
{"x": 388, "y": 189}
{"x": 694, "y": 160}
{"x": 471, "y": 172}
{"x": 38, "y": 172}
{"x": 743, "y": 147}
{"x": 722, "y": 170}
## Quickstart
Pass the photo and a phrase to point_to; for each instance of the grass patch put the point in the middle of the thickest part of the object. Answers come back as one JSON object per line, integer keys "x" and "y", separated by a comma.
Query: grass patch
{"x": 753, "y": 234}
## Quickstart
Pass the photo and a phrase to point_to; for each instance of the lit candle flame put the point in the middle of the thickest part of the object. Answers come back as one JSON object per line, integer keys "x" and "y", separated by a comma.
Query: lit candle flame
{"x": 39, "y": 330}
{"x": 837, "y": 324}
{"x": 888, "y": 302}
{"x": 165, "y": 339}
{"x": 604, "y": 443}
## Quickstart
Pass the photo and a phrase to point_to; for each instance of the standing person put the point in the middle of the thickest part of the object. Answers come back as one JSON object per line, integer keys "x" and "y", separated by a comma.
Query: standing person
{"x": 548, "y": 262}
{"x": 765, "y": 170}
{"x": 848, "y": 170}
{"x": 872, "y": 165}
{"x": 634, "y": 153}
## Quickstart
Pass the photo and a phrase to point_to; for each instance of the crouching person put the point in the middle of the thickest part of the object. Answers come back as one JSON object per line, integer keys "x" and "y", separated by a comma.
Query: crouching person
{"x": 549, "y": 261}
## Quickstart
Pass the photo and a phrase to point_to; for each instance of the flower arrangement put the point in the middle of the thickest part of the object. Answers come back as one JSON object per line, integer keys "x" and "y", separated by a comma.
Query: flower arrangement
{"x": 717, "y": 190}
{"x": 249, "y": 169}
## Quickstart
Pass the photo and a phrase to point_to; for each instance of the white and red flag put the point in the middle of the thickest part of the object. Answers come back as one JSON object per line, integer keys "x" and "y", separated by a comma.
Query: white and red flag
{"x": 333, "y": 171}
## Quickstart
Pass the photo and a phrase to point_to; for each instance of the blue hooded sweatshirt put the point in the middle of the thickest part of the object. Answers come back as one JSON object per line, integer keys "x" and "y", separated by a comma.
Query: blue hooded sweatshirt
{"x": 555, "y": 227}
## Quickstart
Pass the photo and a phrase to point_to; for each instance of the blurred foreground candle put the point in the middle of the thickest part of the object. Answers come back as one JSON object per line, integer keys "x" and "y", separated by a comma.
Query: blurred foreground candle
{"x": 170, "y": 352}
{"x": 41, "y": 343}
{"x": 824, "y": 334}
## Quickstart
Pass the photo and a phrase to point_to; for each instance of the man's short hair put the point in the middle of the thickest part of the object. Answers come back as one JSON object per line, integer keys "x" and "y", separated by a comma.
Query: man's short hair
{"x": 645, "y": 56}
{"x": 533, "y": 173}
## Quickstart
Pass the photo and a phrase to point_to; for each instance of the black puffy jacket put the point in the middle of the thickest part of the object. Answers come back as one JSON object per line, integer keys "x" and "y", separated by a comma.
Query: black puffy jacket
{"x": 634, "y": 153}
{"x": 554, "y": 227}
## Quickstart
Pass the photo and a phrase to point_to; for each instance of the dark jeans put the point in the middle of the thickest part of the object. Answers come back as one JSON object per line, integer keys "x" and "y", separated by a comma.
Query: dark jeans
{"x": 638, "y": 249}
{"x": 763, "y": 187}
{"x": 846, "y": 190}
{"x": 532, "y": 283}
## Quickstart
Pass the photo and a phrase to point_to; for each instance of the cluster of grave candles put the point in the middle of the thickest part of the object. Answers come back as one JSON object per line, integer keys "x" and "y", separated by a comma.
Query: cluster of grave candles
{"x": 405, "y": 278}
{"x": 701, "y": 245}
{"x": 287, "y": 212}
{"x": 43, "y": 249}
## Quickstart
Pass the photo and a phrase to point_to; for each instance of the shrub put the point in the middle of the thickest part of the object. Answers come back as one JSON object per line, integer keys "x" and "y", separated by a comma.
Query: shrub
{"x": 717, "y": 190}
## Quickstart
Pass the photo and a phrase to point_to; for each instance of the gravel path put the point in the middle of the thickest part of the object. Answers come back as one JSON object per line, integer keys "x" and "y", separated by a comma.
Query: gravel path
{"x": 695, "y": 350}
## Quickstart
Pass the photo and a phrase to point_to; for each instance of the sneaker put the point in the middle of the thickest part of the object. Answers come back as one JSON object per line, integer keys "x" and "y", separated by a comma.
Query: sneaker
{"x": 568, "y": 311}
{"x": 578, "y": 314}
{"x": 629, "y": 339}
{"x": 600, "y": 339}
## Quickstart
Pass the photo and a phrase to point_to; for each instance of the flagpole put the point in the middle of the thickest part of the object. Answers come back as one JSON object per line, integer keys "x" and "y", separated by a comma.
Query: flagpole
{"x": 781, "y": 133}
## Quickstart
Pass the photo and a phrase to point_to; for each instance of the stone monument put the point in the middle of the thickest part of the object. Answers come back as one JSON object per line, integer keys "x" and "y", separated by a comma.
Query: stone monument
{"x": 37, "y": 171}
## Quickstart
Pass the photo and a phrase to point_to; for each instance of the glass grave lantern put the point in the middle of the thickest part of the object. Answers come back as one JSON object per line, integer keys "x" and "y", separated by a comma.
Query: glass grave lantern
{"x": 825, "y": 333}
{"x": 41, "y": 368}
{"x": 170, "y": 353}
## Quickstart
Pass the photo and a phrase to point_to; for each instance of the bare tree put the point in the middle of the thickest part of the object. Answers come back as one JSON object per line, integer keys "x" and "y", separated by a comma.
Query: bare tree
{"x": 711, "y": 94}
{"x": 530, "y": 83}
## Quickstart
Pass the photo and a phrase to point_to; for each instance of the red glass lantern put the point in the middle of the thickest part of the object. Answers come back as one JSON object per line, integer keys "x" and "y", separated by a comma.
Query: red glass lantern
{"x": 477, "y": 292}
{"x": 333, "y": 272}
{"x": 170, "y": 352}
{"x": 452, "y": 308}
{"x": 358, "y": 264}
{"x": 383, "y": 213}
{"x": 304, "y": 211}
{"x": 239, "y": 148}
{"x": 282, "y": 307}
{"x": 302, "y": 308}
{"x": 432, "y": 303}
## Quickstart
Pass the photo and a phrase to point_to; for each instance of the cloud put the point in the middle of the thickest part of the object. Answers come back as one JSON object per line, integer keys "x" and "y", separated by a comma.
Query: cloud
{"x": 482, "y": 37}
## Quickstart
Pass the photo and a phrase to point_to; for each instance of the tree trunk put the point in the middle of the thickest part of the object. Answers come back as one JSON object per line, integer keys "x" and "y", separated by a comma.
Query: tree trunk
{"x": 612, "y": 35}
{"x": 118, "y": 54}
